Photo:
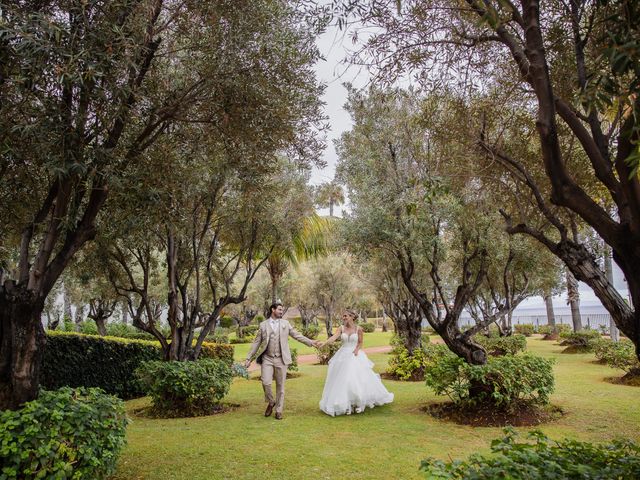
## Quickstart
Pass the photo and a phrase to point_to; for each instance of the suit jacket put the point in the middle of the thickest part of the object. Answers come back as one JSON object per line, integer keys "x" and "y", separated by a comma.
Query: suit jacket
{"x": 261, "y": 341}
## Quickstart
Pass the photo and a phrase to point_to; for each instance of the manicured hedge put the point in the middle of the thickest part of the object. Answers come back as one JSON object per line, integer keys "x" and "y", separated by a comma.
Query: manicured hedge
{"x": 64, "y": 434}
{"x": 77, "y": 360}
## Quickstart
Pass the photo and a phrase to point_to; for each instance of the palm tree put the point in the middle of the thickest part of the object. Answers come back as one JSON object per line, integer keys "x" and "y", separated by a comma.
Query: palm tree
{"x": 311, "y": 241}
{"x": 328, "y": 195}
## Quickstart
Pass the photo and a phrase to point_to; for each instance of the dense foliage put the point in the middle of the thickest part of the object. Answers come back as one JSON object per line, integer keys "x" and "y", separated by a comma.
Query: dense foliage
{"x": 326, "y": 352}
{"x": 526, "y": 329}
{"x": 582, "y": 341}
{"x": 542, "y": 459}
{"x": 63, "y": 434}
{"x": 497, "y": 346}
{"x": 185, "y": 389}
{"x": 405, "y": 365}
{"x": 368, "y": 327}
{"x": 76, "y": 360}
{"x": 502, "y": 381}
{"x": 617, "y": 354}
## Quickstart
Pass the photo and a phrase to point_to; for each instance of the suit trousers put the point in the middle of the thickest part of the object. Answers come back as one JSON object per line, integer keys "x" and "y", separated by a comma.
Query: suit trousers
{"x": 273, "y": 366}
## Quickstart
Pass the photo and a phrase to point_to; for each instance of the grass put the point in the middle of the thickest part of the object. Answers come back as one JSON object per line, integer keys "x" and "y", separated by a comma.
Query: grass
{"x": 386, "y": 442}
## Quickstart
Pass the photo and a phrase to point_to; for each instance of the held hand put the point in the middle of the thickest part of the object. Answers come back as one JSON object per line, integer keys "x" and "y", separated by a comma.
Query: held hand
{"x": 319, "y": 344}
{"x": 247, "y": 363}
{"x": 355, "y": 352}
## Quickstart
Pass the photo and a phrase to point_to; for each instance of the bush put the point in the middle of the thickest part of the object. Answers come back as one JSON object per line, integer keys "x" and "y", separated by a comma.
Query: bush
{"x": 185, "y": 388}
{"x": 293, "y": 366}
{"x": 218, "y": 338}
{"x": 311, "y": 331}
{"x": 541, "y": 460}
{"x": 326, "y": 352}
{"x": 226, "y": 321}
{"x": 259, "y": 318}
{"x": 404, "y": 366}
{"x": 582, "y": 341}
{"x": 77, "y": 360}
{"x": 245, "y": 339}
{"x": 620, "y": 354}
{"x": 525, "y": 329}
{"x": 127, "y": 331}
{"x": 497, "y": 346}
{"x": 503, "y": 381}
{"x": 89, "y": 327}
{"x": 368, "y": 327}
{"x": 550, "y": 330}
{"x": 65, "y": 433}
{"x": 250, "y": 329}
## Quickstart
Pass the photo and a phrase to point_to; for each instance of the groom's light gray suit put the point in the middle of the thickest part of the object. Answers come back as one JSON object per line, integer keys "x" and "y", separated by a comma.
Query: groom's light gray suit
{"x": 273, "y": 354}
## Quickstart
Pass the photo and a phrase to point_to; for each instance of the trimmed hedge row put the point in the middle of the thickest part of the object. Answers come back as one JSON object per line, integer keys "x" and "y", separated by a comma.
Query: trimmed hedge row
{"x": 78, "y": 360}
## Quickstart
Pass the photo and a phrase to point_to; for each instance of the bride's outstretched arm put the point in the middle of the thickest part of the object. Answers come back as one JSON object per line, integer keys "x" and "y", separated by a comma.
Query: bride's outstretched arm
{"x": 332, "y": 339}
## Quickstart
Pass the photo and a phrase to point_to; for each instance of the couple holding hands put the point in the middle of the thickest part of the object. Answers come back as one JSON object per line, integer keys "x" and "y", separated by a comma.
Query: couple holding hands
{"x": 351, "y": 384}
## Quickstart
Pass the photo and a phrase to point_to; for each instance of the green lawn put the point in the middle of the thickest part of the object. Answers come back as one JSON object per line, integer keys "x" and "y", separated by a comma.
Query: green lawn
{"x": 386, "y": 442}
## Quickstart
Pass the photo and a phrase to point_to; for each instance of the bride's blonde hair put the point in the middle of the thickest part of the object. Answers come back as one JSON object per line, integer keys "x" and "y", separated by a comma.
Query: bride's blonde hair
{"x": 353, "y": 313}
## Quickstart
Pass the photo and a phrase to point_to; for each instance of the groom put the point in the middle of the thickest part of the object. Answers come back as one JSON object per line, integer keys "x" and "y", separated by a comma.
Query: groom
{"x": 274, "y": 356}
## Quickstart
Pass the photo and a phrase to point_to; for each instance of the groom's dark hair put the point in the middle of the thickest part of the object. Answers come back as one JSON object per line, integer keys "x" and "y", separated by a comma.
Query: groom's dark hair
{"x": 274, "y": 306}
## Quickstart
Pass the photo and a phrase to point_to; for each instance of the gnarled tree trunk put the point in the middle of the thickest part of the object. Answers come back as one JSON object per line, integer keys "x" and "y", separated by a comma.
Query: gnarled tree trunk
{"x": 22, "y": 343}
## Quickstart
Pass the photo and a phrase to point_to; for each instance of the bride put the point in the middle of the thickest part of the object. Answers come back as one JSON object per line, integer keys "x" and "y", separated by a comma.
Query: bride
{"x": 351, "y": 383}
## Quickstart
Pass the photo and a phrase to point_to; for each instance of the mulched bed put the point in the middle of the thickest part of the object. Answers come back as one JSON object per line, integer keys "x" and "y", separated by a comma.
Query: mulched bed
{"x": 486, "y": 415}
{"x": 150, "y": 412}
{"x": 576, "y": 349}
{"x": 629, "y": 379}
{"x": 416, "y": 377}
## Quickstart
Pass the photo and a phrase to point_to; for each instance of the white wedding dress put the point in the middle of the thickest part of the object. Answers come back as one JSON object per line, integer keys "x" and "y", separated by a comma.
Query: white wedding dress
{"x": 351, "y": 383}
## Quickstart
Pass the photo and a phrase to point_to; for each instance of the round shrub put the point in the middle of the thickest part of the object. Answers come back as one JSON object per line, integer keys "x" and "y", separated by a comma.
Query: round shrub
{"x": 226, "y": 321}
{"x": 245, "y": 339}
{"x": 406, "y": 366}
{"x": 250, "y": 329}
{"x": 525, "y": 329}
{"x": 259, "y": 318}
{"x": 620, "y": 354}
{"x": 186, "y": 388}
{"x": 368, "y": 327}
{"x": 311, "y": 331}
{"x": 66, "y": 433}
{"x": 582, "y": 341}
{"x": 293, "y": 366}
{"x": 542, "y": 459}
{"x": 497, "y": 346}
{"x": 502, "y": 381}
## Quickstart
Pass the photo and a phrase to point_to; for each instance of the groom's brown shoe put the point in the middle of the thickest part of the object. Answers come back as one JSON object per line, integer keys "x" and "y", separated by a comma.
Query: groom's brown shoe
{"x": 267, "y": 412}
{"x": 278, "y": 416}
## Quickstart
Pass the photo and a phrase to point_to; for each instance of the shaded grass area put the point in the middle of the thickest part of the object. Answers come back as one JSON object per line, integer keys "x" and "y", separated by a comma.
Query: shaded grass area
{"x": 386, "y": 442}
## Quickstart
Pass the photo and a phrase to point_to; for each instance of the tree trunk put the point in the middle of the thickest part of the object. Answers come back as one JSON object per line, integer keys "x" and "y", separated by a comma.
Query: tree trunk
{"x": 608, "y": 271}
{"x": 463, "y": 346}
{"x": 328, "y": 321}
{"x": 101, "y": 323}
{"x": 66, "y": 308}
{"x": 22, "y": 344}
{"x": 125, "y": 314}
{"x": 384, "y": 320}
{"x": 573, "y": 298}
{"x": 78, "y": 317}
{"x": 551, "y": 317}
